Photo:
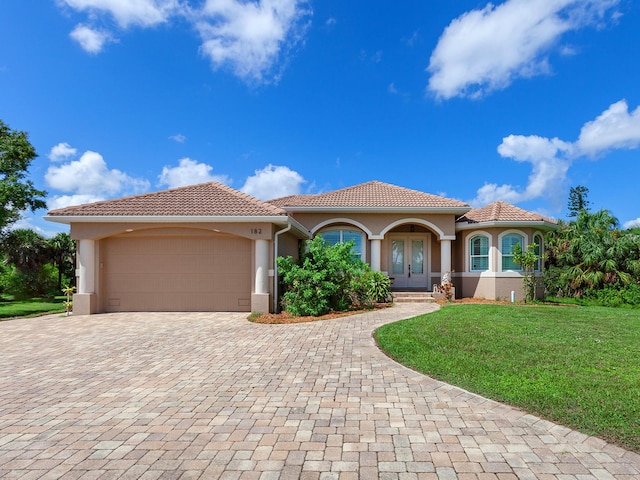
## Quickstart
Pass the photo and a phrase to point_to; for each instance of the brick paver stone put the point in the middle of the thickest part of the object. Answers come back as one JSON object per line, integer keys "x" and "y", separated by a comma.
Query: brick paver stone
{"x": 211, "y": 395}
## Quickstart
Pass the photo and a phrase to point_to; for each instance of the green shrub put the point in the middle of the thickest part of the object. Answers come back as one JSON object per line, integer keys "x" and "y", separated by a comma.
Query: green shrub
{"x": 23, "y": 286}
{"x": 614, "y": 296}
{"x": 359, "y": 292}
{"x": 323, "y": 280}
{"x": 378, "y": 287}
{"x": 369, "y": 288}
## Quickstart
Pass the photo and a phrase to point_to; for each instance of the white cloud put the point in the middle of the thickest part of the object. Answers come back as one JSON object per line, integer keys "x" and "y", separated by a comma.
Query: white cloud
{"x": 273, "y": 182}
{"x": 61, "y": 201}
{"x": 549, "y": 167}
{"x": 632, "y": 223}
{"x": 551, "y": 158}
{"x": 532, "y": 148}
{"x": 250, "y": 36}
{"x": 28, "y": 223}
{"x": 90, "y": 177}
{"x": 189, "y": 172}
{"x": 484, "y": 50}
{"x": 61, "y": 151}
{"x": 144, "y": 13}
{"x": 178, "y": 137}
{"x": 90, "y": 39}
{"x": 614, "y": 128}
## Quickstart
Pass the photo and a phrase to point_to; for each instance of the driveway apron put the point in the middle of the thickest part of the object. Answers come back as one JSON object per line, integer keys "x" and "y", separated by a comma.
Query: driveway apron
{"x": 211, "y": 395}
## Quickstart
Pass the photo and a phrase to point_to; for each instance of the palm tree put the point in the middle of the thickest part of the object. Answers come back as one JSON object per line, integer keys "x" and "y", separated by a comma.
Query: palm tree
{"x": 25, "y": 249}
{"x": 592, "y": 252}
{"x": 26, "y": 252}
{"x": 62, "y": 254}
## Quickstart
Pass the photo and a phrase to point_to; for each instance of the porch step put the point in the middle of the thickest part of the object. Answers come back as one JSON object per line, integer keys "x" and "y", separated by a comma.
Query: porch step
{"x": 412, "y": 297}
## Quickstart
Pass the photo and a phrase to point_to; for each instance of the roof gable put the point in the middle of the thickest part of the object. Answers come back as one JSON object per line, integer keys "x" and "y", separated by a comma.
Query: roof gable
{"x": 372, "y": 194}
{"x": 502, "y": 212}
{"x": 205, "y": 199}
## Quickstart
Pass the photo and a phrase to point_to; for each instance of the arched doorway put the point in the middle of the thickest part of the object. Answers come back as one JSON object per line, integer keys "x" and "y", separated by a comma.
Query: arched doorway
{"x": 409, "y": 257}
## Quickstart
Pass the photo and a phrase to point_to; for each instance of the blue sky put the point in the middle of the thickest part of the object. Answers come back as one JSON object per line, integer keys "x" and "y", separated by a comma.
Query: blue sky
{"x": 517, "y": 100}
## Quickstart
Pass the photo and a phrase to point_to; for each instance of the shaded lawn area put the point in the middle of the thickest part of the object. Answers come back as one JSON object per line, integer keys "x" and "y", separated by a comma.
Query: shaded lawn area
{"x": 576, "y": 366}
{"x": 30, "y": 308}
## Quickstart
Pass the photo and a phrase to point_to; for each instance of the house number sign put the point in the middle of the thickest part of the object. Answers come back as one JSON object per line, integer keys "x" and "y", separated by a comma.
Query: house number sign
{"x": 256, "y": 231}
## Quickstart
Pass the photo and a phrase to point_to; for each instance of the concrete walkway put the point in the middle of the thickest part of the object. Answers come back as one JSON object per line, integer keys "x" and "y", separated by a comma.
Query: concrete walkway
{"x": 202, "y": 395}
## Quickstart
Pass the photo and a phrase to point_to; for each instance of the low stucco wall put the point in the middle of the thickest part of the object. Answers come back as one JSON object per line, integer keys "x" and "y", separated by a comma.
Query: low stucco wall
{"x": 492, "y": 287}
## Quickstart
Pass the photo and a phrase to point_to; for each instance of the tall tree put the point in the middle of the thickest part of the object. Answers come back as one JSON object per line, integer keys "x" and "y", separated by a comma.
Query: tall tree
{"x": 16, "y": 192}
{"x": 62, "y": 254}
{"x": 590, "y": 253}
{"x": 578, "y": 200}
{"x": 25, "y": 249}
{"x": 29, "y": 273}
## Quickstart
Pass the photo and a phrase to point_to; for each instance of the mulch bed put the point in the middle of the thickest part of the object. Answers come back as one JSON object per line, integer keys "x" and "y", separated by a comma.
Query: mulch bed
{"x": 285, "y": 317}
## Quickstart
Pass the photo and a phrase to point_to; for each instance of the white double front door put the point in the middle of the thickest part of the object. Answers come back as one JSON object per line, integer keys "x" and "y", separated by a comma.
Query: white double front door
{"x": 408, "y": 260}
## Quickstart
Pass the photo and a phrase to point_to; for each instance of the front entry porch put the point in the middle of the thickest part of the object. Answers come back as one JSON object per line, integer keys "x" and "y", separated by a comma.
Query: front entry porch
{"x": 413, "y": 296}
{"x": 409, "y": 260}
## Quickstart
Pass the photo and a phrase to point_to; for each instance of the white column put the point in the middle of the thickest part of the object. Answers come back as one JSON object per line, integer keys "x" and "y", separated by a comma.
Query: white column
{"x": 262, "y": 266}
{"x": 375, "y": 255}
{"x": 87, "y": 266}
{"x": 445, "y": 258}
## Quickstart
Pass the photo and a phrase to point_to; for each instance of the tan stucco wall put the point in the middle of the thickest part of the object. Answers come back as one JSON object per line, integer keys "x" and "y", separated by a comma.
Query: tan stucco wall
{"x": 101, "y": 232}
{"x": 96, "y": 231}
{"x": 376, "y": 223}
{"x": 461, "y": 250}
{"x": 494, "y": 284}
{"x": 288, "y": 245}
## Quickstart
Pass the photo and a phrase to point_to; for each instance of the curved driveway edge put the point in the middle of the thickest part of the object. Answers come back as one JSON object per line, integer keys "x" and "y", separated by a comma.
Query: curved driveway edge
{"x": 210, "y": 395}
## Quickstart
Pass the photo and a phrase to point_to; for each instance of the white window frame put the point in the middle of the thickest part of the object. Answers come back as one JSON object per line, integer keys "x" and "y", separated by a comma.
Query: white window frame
{"x": 363, "y": 244}
{"x": 467, "y": 251}
{"x": 501, "y": 255}
{"x": 538, "y": 267}
{"x": 472, "y": 256}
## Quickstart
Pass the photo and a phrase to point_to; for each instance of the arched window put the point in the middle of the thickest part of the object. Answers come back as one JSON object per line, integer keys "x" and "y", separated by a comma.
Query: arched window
{"x": 479, "y": 253}
{"x": 509, "y": 241}
{"x": 538, "y": 250}
{"x": 341, "y": 235}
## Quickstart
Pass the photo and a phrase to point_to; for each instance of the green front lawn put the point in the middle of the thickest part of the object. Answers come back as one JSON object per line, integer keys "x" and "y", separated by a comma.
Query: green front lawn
{"x": 577, "y": 366}
{"x": 30, "y": 308}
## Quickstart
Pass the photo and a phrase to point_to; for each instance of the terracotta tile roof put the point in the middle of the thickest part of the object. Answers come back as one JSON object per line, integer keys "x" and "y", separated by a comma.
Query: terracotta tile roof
{"x": 288, "y": 201}
{"x": 205, "y": 199}
{"x": 502, "y": 212}
{"x": 373, "y": 194}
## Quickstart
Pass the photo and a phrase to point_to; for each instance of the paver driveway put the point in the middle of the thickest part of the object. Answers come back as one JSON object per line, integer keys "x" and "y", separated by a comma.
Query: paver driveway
{"x": 208, "y": 396}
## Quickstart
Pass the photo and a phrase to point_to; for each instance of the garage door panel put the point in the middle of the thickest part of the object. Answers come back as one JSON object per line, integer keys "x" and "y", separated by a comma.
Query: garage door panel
{"x": 177, "y": 274}
{"x": 167, "y": 264}
{"x": 194, "y": 283}
{"x": 179, "y": 302}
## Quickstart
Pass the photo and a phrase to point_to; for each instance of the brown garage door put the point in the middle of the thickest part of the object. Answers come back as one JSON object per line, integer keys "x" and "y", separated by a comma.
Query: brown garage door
{"x": 176, "y": 274}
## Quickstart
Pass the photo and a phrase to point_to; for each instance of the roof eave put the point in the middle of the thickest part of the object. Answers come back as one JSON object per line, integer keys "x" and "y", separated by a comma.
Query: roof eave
{"x": 301, "y": 229}
{"x": 413, "y": 210}
{"x": 68, "y": 219}
{"x": 542, "y": 224}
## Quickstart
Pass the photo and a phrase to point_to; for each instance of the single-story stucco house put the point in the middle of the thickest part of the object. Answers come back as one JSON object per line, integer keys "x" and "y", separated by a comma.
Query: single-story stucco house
{"x": 209, "y": 247}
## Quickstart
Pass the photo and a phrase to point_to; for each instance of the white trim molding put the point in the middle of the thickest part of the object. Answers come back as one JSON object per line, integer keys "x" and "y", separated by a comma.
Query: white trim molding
{"x": 339, "y": 221}
{"x": 419, "y": 221}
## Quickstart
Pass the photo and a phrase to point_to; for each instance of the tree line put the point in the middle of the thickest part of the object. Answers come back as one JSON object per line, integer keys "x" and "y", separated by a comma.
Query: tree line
{"x": 35, "y": 266}
{"x": 31, "y": 266}
{"x": 591, "y": 257}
